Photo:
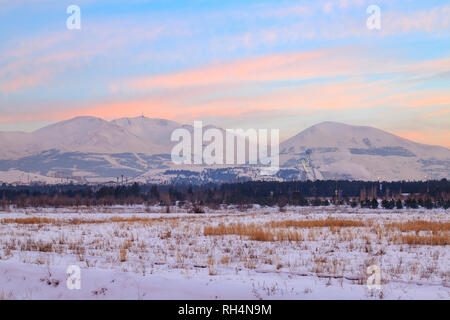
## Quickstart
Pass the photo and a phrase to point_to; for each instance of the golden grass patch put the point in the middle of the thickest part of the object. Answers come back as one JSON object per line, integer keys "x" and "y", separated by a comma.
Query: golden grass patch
{"x": 431, "y": 240}
{"x": 319, "y": 223}
{"x": 419, "y": 225}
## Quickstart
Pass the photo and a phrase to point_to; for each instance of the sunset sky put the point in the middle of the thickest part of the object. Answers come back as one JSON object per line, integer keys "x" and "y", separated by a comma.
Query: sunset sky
{"x": 235, "y": 64}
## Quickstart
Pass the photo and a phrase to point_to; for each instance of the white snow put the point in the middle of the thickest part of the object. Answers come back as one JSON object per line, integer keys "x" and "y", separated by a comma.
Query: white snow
{"x": 331, "y": 143}
{"x": 22, "y": 177}
{"x": 167, "y": 255}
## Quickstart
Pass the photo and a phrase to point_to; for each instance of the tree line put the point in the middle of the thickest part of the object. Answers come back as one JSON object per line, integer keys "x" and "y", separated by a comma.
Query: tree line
{"x": 366, "y": 194}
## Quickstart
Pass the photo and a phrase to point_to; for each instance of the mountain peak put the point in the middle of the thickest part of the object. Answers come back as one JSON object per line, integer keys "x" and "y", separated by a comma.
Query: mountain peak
{"x": 330, "y": 134}
{"x": 334, "y": 125}
{"x": 330, "y": 123}
{"x": 144, "y": 119}
{"x": 81, "y": 119}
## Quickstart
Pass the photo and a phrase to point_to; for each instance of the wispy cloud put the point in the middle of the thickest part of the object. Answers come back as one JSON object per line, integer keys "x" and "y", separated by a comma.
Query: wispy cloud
{"x": 316, "y": 64}
{"x": 37, "y": 60}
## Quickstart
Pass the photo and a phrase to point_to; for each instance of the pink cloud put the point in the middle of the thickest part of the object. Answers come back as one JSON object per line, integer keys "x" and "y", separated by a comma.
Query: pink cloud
{"x": 291, "y": 66}
{"x": 326, "y": 63}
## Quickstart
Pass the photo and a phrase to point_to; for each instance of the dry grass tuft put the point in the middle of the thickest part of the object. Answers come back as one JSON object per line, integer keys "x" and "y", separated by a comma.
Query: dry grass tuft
{"x": 419, "y": 225}
{"x": 253, "y": 232}
{"x": 277, "y": 230}
{"x": 76, "y": 221}
{"x": 320, "y": 223}
{"x": 123, "y": 255}
{"x": 431, "y": 240}
{"x": 31, "y": 220}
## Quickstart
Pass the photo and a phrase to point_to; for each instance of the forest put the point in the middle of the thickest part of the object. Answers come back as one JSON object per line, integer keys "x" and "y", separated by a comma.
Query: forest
{"x": 369, "y": 194}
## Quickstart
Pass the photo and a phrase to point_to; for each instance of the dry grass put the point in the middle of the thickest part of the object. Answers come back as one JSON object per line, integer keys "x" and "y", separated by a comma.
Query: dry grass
{"x": 276, "y": 230}
{"x": 279, "y": 231}
{"x": 419, "y": 225}
{"x": 75, "y": 221}
{"x": 39, "y": 245}
{"x": 439, "y": 232}
{"x": 253, "y": 232}
{"x": 174, "y": 221}
{"x": 123, "y": 255}
{"x": 225, "y": 260}
{"x": 320, "y": 223}
{"x": 286, "y": 235}
{"x": 431, "y": 240}
{"x": 32, "y": 220}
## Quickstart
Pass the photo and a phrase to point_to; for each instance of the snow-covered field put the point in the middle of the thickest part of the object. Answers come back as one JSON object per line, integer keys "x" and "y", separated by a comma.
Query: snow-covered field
{"x": 257, "y": 253}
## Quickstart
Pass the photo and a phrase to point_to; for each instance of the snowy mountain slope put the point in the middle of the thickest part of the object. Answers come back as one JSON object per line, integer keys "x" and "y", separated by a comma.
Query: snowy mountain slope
{"x": 92, "y": 149}
{"x": 338, "y": 135}
{"x": 335, "y": 150}
{"x": 81, "y": 134}
{"x": 89, "y": 134}
{"x": 157, "y": 131}
{"x": 17, "y": 144}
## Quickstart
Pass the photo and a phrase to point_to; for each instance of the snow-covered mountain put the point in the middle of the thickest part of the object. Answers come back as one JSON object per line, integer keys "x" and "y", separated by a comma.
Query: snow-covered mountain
{"x": 156, "y": 131}
{"x": 94, "y": 135}
{"x": 334, "y": 150}
{"x": 338, "y": 135}
{"x": 90, "y": 135}
{"x": 95, "y": 150}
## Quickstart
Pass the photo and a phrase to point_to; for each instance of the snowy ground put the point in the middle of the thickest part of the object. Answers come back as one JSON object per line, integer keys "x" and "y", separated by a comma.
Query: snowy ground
{"x": 143, "y": 253}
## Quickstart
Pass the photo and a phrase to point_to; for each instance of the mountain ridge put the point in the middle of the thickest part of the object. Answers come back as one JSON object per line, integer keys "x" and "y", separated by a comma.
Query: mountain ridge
{"x": 94, "y": 149}
{"x": 171, "y": 123}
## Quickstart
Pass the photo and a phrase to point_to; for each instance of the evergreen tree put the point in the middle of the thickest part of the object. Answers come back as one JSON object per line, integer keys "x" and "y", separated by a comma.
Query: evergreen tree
{"x": 154, "y": 193}
{"x": 428, "y": 203}
{"x": 374, "y": 203}
{"x": 411, "y": 203}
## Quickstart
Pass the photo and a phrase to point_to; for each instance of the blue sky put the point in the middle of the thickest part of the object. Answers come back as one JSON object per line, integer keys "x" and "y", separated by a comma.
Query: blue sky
{"x": 261, "y": 64}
